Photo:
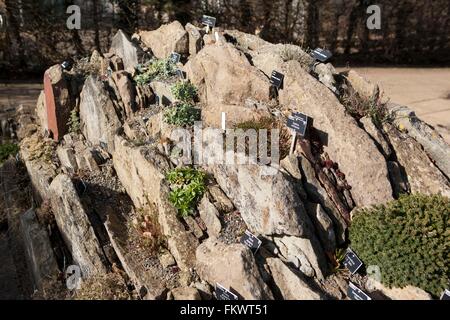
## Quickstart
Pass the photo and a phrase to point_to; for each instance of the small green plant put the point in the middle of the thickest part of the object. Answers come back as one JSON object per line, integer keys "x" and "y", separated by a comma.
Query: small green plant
{"x": 187, "y": 188}
{"x": 155, "y": 69}
{"x": 183, "y": 114}
{"x": 74, "y": 122}
{"x": 184, "y": 91}
{"x": 6, "y": 150}
{"x": 409, "y": 239}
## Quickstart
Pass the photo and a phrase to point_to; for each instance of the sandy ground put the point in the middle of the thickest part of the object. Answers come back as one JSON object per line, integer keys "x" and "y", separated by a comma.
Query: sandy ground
{"x": 426, "y": 91}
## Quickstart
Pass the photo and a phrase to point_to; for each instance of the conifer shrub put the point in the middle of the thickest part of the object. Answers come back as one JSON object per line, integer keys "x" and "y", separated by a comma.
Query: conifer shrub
{"x": 409, "y": 239}
{"x": 184, "y": 91}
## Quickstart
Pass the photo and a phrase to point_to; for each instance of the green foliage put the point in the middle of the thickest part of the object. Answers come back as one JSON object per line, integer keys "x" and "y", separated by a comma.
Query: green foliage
{"x": 156, "y": 69}
{"x": 188, "y": 186}
{"x": 183, "y": 114}
{"x": 184, "y": 91}
{"x": 6, "y": 150}
{"x": 74, "y": 122}
{"x": 409, "y": 239}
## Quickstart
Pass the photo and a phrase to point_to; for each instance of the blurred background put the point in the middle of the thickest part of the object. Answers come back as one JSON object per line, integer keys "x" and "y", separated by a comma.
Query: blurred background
{"x": 409, "y": 55}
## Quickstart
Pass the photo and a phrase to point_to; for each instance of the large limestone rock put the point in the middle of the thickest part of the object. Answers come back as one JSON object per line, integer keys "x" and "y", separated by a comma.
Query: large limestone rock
{"x": 423, "y": 176}
{"x": 75, "y": 227}
{"x": 141, "y": 171}
{"x": 128, "y": 51}
{"x": 361, "y": 85}
{"x": 126, "y": 91}
{"x": 347, "y": 144}
{"x": 232, "y": 266}
{"x": 226, "y": 82}
{"x": 210, "y": 216}
{"x": 305, "y": 254}
{"x": 166, "y": 39}
{"x": 290, "y": 284}
{"x": 377, "y": 136}
{"x": 39, "y": 252}
{"x": 434, "y": 145}
{"x": 195, "y": 39}
{"x": 324, "y": 226}
{"x": 268, "y": 204}
{"x": 98, "y": 117}
{"x": 246, "y": 41}
{"x": 406, "y": 293}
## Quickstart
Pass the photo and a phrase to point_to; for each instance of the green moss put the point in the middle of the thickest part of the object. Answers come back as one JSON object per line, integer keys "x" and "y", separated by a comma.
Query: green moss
{"x": 6, "y": 150}
{"x": 409, "y": 239}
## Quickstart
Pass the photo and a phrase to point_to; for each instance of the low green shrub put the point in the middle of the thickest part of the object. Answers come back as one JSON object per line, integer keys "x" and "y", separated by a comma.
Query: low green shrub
{"x": 7, "y": 149}
{"x": 184, "y": 91}
{"x": 187, "y": 187}
{"x": 409, "y": 239}
{"x": 183, "y": 114}
{"x": 74, "y": 122}
{"x": 156, "y": 69}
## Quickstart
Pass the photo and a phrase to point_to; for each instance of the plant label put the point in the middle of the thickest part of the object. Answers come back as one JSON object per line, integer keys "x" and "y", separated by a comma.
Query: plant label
{"x": 322, "y": 55}
{"x": 209, "y": 21}
{"x": 66, "y": 65}
{"x": 446, "y": 295}
{"x": 276, "y": 79}
{"x": 356, "y": 293}
{"x": 181, "y": 74}
{"x": 224, "y": 294}
{"x": 352, "y": 262}
{"x": 175, "y": 57}
{"x": 298, "y": 122}
{"x": 251, "y": 241}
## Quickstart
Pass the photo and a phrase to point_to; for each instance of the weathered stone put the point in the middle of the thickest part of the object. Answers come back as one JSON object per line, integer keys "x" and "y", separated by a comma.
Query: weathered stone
{"x": 166, "y": 39}
{"x": 186, "y": 293}
{"x": 398, "y": 180}
{"x": 325, "y": 74}
{"x": 210, "y": 217}
{"x": 195, "y": 39}
{"x": 148, "y": 285}
{"x": 75, "y": 227}
{"x": 194, "y": 227}
{"x": 268, "y": 204}
{"x": 292, "y": 166}
{"x": 126, "y": 90}
{"x": 225, "y": 79}
{"x": 220, "y": 199}
{"x": 423, "y": 175}
{"x": 362, "y": 86}
{"x": 41, "y": 111}
{"x": 91, "y": 163}
{"x": 234, "y": 267}
{"x": 141, "y": 171}
{"x": 317, "y": 194}
{"x": 144, "y": 96}
{"x": 67, "y": 158}
{"x": 40, "y": 257}
{"x": 406, "y": 293}
{"x": 346, "y": 143}
{"x": 324, "y": 226}
{"x": 57, "y": 101}
{"x": 434, "y": 145}
{"x": 245, "y": 40}
{"x": 377, "y": 136}
{"x": 291, "y": 285}
{"x": 163, "y": 92}
{"x": 40, "y": 170}
{"x": 99, "y": 120}
{"x": 129, "y": 52}
{"x": 307, "y": 255}
{"x": 204, "y": 289}
{"x": 166, "y": 259}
